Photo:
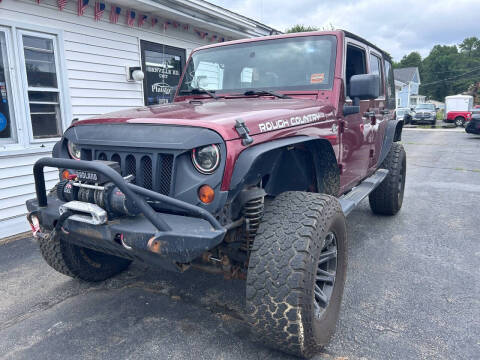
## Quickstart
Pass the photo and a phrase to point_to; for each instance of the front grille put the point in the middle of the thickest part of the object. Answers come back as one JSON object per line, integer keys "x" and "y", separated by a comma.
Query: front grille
{"x": 152, "y": 171}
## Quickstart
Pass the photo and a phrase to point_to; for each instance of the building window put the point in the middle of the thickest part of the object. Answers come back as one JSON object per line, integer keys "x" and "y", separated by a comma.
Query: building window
{"x": 42, "y": 86}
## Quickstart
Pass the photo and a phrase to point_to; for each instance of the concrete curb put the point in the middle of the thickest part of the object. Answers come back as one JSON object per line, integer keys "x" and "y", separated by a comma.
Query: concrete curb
{"x": 24, "y": 235}
{"x": 446, "y": 130}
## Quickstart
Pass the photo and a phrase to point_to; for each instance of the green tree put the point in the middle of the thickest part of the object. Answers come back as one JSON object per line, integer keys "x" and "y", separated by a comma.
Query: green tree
{"x": 470, "y": 45}
{"x": 414, "y": 59}
{"x": 301, "y": 28}
{"x": 437, "y": 68}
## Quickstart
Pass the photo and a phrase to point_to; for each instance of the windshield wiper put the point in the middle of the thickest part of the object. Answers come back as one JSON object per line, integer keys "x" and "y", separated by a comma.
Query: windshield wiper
{"x": 200, "y": 90}
{"x": 266, "y": 92}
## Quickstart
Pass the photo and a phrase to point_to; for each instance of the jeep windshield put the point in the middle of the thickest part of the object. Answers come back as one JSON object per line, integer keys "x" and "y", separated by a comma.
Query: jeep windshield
{"x": 253, "y": 68}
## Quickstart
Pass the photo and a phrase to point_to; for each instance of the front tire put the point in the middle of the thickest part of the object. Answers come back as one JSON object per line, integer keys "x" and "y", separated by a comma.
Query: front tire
{"x": 296, "y": 272}
{"x": 79, "y": 262}
{"x": 387, "y": 198}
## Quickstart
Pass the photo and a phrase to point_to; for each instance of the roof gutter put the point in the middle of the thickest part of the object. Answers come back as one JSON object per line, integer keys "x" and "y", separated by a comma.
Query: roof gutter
{"x": 208, "y": 16}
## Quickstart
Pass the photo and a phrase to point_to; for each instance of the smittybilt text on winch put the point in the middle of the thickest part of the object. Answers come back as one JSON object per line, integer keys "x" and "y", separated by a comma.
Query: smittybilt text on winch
{"x": 250, "y": 172}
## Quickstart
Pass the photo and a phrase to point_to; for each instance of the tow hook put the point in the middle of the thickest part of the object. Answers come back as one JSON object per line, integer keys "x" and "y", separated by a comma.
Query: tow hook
{"x": 124, "y": 244}
{"x": 34, "y": 223}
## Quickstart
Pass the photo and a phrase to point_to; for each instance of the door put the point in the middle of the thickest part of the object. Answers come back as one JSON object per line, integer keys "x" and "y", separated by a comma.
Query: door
{"x": 355, "y": 145}
{"x": 163, "y": 67}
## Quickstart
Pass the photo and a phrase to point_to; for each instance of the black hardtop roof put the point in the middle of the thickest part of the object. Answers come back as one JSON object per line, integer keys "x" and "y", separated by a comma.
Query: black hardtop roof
{"x": 359, "y": 38}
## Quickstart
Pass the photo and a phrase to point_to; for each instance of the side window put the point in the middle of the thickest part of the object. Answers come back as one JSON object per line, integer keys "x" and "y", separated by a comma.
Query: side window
{"x": 376, "y": 68}
{"x": 42, "y": 86}
{"x": 390, "y": 82}
{"x": 355, "y": 64}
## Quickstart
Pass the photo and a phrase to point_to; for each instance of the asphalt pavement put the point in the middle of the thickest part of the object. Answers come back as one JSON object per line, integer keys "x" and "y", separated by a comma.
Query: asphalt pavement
{"x": 412, "y": 290}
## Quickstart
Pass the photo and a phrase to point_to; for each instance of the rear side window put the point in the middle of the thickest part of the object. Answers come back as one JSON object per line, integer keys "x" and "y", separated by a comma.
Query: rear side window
{"x": 390, "y": 84}
{"x": 376, "y": 68}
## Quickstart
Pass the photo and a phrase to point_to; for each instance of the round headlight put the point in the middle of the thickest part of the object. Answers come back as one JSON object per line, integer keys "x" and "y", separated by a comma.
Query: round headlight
{"x": 73, "y": 150}
{"x": 206, "y": 158}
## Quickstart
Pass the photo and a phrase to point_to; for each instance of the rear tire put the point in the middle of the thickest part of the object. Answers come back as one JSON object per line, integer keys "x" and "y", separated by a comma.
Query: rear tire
{"x": 294, "y": 291}
{"x": 79, "y": 262}
{"x": 459, "y": 121}
{"x": 387, "y": 198}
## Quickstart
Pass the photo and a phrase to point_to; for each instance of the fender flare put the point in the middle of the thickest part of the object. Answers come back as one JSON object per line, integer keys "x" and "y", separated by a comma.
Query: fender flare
{"x": 250, "y": 163}
{"x": 393, "y": 133}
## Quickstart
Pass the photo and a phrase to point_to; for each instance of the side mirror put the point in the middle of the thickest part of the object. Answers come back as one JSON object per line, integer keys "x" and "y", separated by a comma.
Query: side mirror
{"x": 364, "y": 87}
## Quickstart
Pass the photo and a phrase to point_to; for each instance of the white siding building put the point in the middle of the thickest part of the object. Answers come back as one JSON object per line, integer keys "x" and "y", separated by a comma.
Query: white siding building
{"x": 56, "y": 66}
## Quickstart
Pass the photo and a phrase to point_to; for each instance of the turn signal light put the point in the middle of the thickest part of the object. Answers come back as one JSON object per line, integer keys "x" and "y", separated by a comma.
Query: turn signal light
{"x": 206, "y": 194}
{"x": 65, "y": 174}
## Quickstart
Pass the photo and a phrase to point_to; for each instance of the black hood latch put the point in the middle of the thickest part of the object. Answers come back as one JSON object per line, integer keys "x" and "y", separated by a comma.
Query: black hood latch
{"x": 243, "y": 131}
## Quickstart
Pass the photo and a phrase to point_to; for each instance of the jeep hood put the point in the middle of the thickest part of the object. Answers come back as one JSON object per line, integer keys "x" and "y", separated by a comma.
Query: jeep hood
{"x": 260, "y": 114}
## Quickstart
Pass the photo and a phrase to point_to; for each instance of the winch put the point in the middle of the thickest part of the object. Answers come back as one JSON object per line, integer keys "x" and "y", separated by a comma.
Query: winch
{"x": 94, "y": 188}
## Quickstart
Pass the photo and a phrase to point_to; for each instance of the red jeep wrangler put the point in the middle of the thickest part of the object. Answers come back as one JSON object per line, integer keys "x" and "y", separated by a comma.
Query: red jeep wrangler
{"x": 269, "y": 143}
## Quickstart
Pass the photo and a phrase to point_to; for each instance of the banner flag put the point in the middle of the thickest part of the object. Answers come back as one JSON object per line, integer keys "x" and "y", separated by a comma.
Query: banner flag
{"x": 81, "y": 6}
{"x": 115, "y": 13}
{"x": 99, "y": 9}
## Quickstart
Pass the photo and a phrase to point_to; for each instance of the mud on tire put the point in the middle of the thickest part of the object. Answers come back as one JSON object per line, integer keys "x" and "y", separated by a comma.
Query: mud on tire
{"x": 287, "y": 254}
{"x": 79, "y": 262}
{"x": 387, "y": 198}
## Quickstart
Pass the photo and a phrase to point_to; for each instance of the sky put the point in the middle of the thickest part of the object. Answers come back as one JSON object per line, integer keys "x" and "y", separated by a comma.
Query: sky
{"x": 396, "y": 26}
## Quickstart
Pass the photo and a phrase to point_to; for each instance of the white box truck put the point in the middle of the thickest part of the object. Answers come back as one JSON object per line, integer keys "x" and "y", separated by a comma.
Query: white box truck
{"x": 458, "y": 109}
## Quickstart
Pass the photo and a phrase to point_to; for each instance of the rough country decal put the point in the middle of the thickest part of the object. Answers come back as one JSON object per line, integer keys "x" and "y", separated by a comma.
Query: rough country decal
{"x": 293, "y": 121}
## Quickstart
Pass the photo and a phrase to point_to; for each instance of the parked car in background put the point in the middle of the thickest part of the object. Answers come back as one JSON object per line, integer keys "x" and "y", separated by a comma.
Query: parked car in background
{"x": 458, "y": 109}
{"x": 424, "y": 113}
{"x": 473, "y": 126}
{"x": 404, "y": 114}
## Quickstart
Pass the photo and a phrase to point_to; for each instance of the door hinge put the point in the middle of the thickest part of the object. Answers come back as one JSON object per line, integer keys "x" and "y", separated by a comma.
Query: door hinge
{"x": 243, "y": 131}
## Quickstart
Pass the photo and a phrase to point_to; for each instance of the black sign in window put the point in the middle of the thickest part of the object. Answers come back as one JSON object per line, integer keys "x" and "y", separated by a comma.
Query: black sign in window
{"x": 163, "y": 67}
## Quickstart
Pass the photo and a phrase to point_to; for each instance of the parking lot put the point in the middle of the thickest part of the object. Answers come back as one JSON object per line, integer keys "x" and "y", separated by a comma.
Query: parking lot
{"x": 412, "y": 290}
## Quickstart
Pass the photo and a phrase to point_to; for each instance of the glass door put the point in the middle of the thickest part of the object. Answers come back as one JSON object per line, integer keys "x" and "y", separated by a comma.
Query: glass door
{"x": 163, "y": 67}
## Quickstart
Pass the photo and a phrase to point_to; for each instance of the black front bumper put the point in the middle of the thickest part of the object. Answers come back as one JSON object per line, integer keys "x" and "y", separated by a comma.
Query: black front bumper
{"x": 423, "y": 119}
{"x": 152, "y": 236}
